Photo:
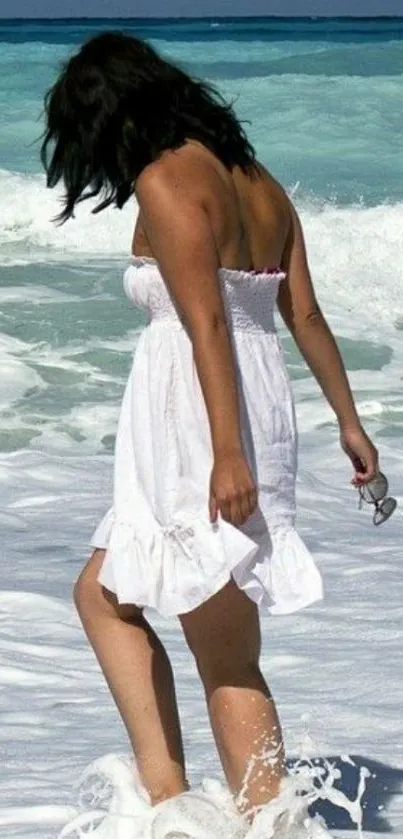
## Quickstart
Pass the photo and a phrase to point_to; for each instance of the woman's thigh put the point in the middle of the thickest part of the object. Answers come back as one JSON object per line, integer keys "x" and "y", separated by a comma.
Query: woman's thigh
{"x": 224, "y": 632}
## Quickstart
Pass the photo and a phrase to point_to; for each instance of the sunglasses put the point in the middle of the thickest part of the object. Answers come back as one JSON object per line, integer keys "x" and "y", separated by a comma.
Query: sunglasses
{"x": 375, "y": 492}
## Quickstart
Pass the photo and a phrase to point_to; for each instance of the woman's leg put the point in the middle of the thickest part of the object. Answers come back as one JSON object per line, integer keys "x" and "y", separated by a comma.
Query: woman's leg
{"x": 224, "y": 636}
{"x": 139, "y": 674}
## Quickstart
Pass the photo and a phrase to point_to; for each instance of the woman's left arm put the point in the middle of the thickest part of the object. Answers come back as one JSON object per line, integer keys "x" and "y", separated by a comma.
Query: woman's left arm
{"x": 302, "y": 315}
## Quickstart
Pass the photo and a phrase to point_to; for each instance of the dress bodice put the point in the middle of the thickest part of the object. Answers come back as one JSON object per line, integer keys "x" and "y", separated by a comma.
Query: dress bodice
{"x": 249, "y": 297}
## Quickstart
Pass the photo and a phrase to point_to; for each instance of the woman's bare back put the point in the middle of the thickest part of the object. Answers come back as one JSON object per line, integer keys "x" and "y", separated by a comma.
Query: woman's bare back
{"x": 249, "y": 214}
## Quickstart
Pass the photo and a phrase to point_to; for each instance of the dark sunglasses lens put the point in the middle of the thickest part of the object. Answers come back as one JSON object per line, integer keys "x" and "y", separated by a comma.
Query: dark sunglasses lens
{"x": 384, "y": 512}
{"x": 375, "y": 490}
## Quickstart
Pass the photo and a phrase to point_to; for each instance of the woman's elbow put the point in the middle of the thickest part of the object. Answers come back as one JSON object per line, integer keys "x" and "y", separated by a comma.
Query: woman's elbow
{"x": 205, "y": 324}
{"x": 310, "y": 317}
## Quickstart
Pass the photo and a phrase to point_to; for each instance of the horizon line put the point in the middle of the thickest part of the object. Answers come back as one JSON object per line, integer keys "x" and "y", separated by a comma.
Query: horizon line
{"x": 193, "y": 18}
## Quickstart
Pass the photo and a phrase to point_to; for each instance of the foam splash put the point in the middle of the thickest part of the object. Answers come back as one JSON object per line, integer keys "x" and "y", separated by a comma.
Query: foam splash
{"x": 113, "y": 805}
{"x": 27, "y": 229}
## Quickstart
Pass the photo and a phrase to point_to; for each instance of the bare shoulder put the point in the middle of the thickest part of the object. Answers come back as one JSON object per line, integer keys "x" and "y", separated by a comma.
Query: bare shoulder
{"x": 275, "y": 191}
{"x": 183, "y": 173}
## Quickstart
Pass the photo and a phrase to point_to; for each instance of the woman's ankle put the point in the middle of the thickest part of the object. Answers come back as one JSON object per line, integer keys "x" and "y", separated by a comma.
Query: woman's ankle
{"x": 164, "y": 791}
{"x": 251, "y": 800}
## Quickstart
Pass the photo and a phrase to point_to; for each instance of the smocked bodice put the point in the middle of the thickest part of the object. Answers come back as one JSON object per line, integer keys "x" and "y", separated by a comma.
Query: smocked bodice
{"x": 249, "y": 298}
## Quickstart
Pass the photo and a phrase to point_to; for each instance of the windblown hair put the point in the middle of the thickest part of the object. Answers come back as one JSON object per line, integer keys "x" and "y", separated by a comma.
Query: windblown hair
{"x": 115, "y": 107}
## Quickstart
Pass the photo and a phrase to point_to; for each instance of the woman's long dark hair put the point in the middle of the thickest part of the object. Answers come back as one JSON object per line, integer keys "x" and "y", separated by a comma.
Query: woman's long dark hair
{"x": 115, "y": 107}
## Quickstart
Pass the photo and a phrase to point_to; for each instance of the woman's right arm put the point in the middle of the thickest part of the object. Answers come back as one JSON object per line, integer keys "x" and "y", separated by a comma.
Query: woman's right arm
{"x": 179, "y": 231}
{"x": 302, "y": 315}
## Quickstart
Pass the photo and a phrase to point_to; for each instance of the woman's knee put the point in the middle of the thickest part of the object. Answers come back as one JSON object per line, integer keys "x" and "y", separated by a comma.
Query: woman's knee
{"x": 236, "y": 671}
{"x": 223, "y": 635}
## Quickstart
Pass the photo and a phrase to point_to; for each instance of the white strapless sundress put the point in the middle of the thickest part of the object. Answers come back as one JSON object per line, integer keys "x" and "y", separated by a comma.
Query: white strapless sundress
{"x": 162, "y": 551}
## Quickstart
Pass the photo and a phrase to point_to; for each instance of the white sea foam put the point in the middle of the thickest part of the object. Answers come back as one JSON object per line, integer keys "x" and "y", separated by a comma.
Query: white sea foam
{"x": 26, "y": 229}
{"x": 16, "y": 379}
{"x": 355, "y": 251}
{"x": 34, "y": 294}
{"x": 120, "y": 808}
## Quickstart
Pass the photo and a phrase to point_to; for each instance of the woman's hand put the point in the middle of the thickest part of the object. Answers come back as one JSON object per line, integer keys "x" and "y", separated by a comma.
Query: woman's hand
{"x": 233, "y": 492}
{"x": 362, "y": 453}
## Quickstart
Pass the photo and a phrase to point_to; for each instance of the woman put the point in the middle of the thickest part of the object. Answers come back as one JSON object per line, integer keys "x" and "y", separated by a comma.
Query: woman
{"x": 202, "y": 524}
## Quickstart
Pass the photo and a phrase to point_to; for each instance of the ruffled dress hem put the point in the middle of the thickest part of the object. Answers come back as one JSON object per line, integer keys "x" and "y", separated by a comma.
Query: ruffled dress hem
{"x": 176, "y": 568}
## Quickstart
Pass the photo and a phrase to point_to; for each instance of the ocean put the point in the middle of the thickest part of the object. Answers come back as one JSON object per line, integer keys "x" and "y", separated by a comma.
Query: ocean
{"x": 322, "y": 103}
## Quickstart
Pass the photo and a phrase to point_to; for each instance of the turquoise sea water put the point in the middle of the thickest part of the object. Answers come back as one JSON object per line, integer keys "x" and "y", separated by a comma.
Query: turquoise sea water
{"x": 323, "y": 98}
